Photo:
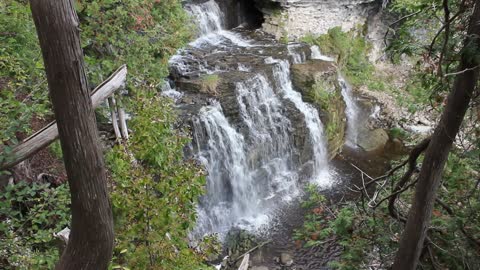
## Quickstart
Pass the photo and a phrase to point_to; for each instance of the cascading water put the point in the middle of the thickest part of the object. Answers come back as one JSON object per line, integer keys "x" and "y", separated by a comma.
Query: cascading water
{"x": 298, "y": 57}
{"x": 316, "y": 54}
{"x": 208, "y": 16}
{"x": 229, "y": 181}
{"x": 253, "y": 162}
{"x": 352, "y": 112}
{"x": 281, "y": 73}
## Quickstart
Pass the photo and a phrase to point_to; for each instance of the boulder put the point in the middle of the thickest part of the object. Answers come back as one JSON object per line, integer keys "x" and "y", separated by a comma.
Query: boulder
{"x": 373, "y": 141}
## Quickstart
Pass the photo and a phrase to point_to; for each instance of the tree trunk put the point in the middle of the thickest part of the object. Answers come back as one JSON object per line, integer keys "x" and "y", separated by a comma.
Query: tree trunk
{"x": 436, "y": 155}
{"x": 91, "y": 239}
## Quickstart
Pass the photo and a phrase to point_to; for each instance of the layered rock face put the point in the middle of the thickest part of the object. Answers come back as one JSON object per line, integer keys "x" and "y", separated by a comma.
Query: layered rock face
{"x": 318, "y": 82}
{"x": 293, "y": 19}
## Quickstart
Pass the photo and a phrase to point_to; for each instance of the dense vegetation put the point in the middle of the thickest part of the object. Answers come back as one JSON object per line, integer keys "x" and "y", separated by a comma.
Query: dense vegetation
{"x": 370, "y": 227}
{"x": 153, "y": 189}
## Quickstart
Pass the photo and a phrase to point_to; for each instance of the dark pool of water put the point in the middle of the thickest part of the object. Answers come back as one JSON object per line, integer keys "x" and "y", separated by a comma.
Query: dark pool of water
{"x": 292, "y": 216}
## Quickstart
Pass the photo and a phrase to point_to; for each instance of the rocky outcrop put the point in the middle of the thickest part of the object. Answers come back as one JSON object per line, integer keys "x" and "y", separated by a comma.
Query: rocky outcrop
{"x": 293, "y": 19}
{"x": 373, "y": 141}
{"x": 317, "y": 80}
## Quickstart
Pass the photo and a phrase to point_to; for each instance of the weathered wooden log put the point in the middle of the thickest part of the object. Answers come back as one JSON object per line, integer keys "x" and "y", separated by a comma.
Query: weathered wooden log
{"x": 49, "y": 133}
{"x": 112, "y": 104}
{"x": 244, "y": 264}
{"x": 123, "y": 122}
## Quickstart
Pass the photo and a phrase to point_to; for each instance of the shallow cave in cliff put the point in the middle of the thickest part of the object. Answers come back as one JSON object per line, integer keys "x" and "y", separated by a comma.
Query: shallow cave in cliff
{"x": 252, "y": 16}
{"x": 241, "y": 12}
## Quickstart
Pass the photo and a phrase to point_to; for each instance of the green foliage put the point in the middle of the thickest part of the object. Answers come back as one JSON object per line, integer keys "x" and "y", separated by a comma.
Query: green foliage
{"x": 154, "y": 192}
{"x": 23, "y": 89}
{"x": 397, "y": 132}
{"x": 455, "y": 231}
{"x": 370, "y": 234}
{"x": 209, "y": 84}
{"x": 325, "y": 94}
{"x": 30, "y": 214}
{"x": 351, "y": 50}
{"x": 154, "y": 188}
{"x": 140, "y": 33}
{"x": 56, "y": 149}
{"x": 422, "y": 37}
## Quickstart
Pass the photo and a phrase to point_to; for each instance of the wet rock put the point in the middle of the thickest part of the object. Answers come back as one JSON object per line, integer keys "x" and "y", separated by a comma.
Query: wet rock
{"x": 317, "y": 80}
{"x": 306, "y": 74}
{"x": 373, "y": 141}
{"x": 286, "y": 259}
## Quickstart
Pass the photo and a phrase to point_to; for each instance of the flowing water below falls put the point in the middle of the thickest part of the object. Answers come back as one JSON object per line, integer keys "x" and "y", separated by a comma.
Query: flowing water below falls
{"x": 258, "y": 140}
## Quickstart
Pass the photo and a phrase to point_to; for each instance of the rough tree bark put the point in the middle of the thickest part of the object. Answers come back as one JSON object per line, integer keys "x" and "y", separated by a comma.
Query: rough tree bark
{"x": 436, "y": 155}
{"x": 91, "y": 239}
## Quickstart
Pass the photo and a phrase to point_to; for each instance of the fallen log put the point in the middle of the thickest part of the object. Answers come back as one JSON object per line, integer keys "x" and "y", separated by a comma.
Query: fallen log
{"x": 49, "y": 133}
{"x": 244, "y": 264}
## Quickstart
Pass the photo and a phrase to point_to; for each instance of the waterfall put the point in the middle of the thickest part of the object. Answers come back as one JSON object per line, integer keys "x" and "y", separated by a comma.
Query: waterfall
{"x": 229, "y": 183}
{"x": 211, "y": 25}
{"x": 314, "y": 124}
{"x": 254, "y": 161}
{"x": 250, "y": 174}
{"x": 316, "y": 54}
{"x": 245, "y": 174}
{"x": 298, "y": 57}
{"x": 352, "y": 112}
{"x": 208, "y": 16}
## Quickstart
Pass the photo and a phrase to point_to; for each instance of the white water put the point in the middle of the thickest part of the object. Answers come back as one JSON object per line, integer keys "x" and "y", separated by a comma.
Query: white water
{"x": 168, "y": 91}
{"x": 208, "y": 16}
{"x": 230, "y": 190}
{"x": 298, "y": 57}
{"x": 352, "y": 111}
{"x": 253, "y": 164}
{"x": 314, "y": 124}
{"x": 316, "y": 54}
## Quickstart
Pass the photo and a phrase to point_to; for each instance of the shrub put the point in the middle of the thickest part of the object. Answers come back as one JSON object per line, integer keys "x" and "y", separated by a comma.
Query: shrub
{"x": 29, "y": 215}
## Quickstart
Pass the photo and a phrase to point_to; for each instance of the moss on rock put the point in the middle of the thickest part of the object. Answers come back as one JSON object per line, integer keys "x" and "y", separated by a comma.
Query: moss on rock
{"x": 317, "y": 80}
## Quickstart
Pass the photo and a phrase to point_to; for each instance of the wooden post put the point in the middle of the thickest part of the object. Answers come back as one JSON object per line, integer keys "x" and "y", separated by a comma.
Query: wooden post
{"x": 123, "y": 123}
{"x": 112, "y": 104}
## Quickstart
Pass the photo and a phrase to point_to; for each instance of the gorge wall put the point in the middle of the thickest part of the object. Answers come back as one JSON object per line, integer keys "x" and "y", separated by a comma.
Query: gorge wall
{"x": 292, "y": 19}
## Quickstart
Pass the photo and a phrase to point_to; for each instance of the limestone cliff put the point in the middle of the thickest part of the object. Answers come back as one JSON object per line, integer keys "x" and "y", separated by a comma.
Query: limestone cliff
{"x": 293, "y": 19}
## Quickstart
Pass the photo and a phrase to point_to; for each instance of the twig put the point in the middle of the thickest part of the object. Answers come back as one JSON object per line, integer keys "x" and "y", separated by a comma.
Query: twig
{"x": 460, "y": 72}
{"x": 399, "y": 20}
{"x": 395, "y": 193}
{"x": 360, "y": 170}
{"x": 252, "y": 249}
